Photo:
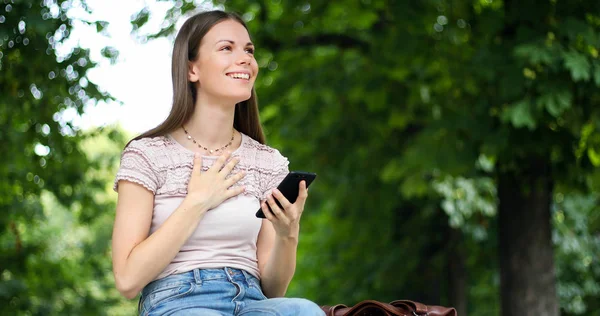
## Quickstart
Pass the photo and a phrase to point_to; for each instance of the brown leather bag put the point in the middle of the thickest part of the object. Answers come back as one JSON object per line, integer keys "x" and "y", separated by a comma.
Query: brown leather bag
{"x": 395, "y": 308}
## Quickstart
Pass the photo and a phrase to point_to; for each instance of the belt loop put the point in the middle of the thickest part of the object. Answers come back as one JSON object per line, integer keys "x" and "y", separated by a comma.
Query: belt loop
{"x": 228, "y": 273}
{"x": 246, "y": 276}
{"x": 197, "y": 276}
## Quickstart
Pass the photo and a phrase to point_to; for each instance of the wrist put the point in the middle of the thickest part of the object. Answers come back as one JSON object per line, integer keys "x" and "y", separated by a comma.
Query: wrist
{"x": 194, "y": 206}
{"x": 291, "y": 238}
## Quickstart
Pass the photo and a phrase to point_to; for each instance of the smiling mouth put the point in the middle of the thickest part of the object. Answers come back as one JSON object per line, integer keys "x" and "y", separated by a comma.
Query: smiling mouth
{"x": 236, "y": 75}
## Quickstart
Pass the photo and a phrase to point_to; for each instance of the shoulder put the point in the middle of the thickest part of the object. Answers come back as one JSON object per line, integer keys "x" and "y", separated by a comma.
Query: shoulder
{"x": 265, "y": 156}
{"x": 159, "y": 152}
{"x": 148, "y": 144}
{"x": 149, "y": 147}
{"x": 141, "y": 162}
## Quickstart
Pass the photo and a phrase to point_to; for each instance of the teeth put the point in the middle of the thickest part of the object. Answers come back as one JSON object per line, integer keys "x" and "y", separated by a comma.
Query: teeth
{"x": 239, "y": 76}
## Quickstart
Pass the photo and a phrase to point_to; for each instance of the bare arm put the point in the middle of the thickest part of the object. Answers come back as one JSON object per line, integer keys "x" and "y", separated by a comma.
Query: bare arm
{"x": 278, "y": 242}
{"x": 139, "y": 258}
{"x": 276, "y": 260}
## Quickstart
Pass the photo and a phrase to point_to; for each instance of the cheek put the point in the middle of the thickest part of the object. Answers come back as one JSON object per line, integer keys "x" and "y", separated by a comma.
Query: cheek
{"x": 255, "y": 66}
{"x": 211, "y": 69}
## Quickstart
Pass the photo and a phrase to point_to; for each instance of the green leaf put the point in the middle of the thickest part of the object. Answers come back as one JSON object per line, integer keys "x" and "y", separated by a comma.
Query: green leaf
{"x": 597, "y": 73}
{"x": 110, "y": 53}
{"x": 578, "y": 29}
{"x": 366, "y": 20}
{"x": 594, "y": 157}
{"x": 534, "y": 54}
{"x": 391, "y": 171}
{"x": 414, "y": 186}
{"x": 139, "y": 19}
{"x": 578, "y": 65}
{"x": 398, "y": 119}
{"x": 556, "y": 102}
{"x": 520, "y": 115}
{"x": 101, "y": 26}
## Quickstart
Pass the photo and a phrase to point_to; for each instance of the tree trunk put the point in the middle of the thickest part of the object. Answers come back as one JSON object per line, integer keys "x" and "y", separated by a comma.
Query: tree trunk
{"x": 527, "y": 276}
{"x": 457, "y": 277}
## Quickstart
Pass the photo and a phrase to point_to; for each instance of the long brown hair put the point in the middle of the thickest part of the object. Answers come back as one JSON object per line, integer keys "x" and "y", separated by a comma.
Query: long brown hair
{"x": 187, "y": 44}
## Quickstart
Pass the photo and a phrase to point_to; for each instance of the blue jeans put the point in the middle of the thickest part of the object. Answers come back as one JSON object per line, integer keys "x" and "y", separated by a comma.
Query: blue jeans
{"x": 217, "y": 292}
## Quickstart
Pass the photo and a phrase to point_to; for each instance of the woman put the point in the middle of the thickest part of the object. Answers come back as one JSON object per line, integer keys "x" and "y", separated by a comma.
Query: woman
{"x": 185, "y": 231}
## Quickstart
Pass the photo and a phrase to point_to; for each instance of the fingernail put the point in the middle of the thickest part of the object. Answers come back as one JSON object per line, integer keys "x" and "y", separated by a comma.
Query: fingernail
{"x": 196, "y": 155}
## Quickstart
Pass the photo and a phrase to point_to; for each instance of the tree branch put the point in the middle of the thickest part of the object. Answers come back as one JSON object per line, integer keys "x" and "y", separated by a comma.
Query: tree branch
{"x": 339, "y": 40}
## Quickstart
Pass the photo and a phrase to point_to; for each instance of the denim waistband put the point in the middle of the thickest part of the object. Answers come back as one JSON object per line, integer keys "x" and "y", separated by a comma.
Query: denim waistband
{"x": 221, "y": 273}
{"x": 198, "y": 276}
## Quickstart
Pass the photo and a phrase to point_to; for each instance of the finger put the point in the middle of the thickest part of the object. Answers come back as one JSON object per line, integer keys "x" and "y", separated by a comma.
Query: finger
{"x": 302, "y": 195}
{"x": 268, "y": 214}
{"x": 235, "y": 178}
{"x": 231, "y": 192}
{"x": 229, "y": 166}
{"x": 302, "y": 192}
{"x": 282, "y": 199}
{"x": 216, "y": 167}
{"x": 197, "y": 163}
{"x": 275, "y": 208}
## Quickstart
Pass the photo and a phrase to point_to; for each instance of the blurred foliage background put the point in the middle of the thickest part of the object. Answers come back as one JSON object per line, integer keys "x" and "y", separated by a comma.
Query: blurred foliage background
{"x": 457, "y": 145}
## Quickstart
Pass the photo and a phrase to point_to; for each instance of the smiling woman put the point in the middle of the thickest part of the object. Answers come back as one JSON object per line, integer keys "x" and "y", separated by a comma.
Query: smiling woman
{"x": 185, "y": 233}
{"x": 226, "y": 53}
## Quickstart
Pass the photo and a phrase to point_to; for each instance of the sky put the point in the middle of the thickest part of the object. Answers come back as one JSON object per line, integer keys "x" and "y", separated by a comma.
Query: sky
{"x": 140, "y": 80}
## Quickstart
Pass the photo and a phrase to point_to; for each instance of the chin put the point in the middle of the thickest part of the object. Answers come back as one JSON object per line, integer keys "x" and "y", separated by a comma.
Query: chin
{"x": 241, "y": 97}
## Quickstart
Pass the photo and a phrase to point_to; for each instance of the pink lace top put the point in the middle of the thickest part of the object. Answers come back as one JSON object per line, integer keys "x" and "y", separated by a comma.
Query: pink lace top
{"x": 226, "y": 236}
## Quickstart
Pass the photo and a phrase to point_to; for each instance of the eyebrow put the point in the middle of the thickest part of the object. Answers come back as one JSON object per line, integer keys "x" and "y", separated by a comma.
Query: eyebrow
{"x": 232, "y": 42}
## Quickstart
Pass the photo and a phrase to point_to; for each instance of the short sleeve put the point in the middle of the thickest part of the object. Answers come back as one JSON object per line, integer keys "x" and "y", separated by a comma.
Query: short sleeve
{"x": 276, "y": 175}
{"x": 137, "y": 168}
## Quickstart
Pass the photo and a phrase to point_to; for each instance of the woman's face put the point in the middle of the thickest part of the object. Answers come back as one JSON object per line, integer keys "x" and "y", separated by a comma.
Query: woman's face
{"x": 225, "y": 69}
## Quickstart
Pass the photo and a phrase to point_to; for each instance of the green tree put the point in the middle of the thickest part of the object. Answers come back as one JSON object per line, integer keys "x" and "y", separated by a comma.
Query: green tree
{"x": 424, "y": 120}
{"x": 54, "y": 228}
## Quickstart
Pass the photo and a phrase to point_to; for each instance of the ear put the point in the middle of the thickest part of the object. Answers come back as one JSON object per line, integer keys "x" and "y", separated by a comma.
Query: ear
{"x": 193, "y": 72}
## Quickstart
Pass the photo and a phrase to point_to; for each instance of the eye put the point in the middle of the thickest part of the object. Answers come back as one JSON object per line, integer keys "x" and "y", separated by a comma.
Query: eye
{"x": 228, "y": 47}
{"x": 250, "y": 50}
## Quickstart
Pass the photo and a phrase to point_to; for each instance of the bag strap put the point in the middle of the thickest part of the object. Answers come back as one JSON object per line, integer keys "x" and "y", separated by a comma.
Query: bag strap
{"x": 394, "y": 308}
{"x": 365, "y": 305}
{"x": 416, "y": 307}
{"x": 330, "y": 310}
{"x": 419, "y": 309}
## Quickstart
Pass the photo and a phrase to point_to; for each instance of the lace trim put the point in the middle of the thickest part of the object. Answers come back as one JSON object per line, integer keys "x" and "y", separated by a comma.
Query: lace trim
{"x": 137, "y": 167}
{"x": 134, "y": 180}
{"x": 170, "y": 164}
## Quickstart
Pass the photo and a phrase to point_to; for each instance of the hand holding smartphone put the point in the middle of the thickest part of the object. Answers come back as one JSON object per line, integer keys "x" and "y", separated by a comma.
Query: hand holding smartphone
{"x": 290, "y": 186}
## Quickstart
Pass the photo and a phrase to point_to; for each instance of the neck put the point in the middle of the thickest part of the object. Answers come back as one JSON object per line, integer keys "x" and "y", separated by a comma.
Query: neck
{"x": 212, "y": 123}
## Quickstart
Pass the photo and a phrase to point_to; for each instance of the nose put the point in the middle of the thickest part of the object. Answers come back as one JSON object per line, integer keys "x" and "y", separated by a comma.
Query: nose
{"x": 245, "y": 59}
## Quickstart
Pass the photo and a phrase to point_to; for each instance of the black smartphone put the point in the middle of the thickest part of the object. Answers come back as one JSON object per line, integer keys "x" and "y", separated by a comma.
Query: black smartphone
{"x": 290, "y": 186}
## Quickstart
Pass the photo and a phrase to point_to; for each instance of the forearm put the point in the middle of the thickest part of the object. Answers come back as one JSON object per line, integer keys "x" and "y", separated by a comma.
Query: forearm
{"x": 150, "y": 257}
{"x": 280, "y": 267}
